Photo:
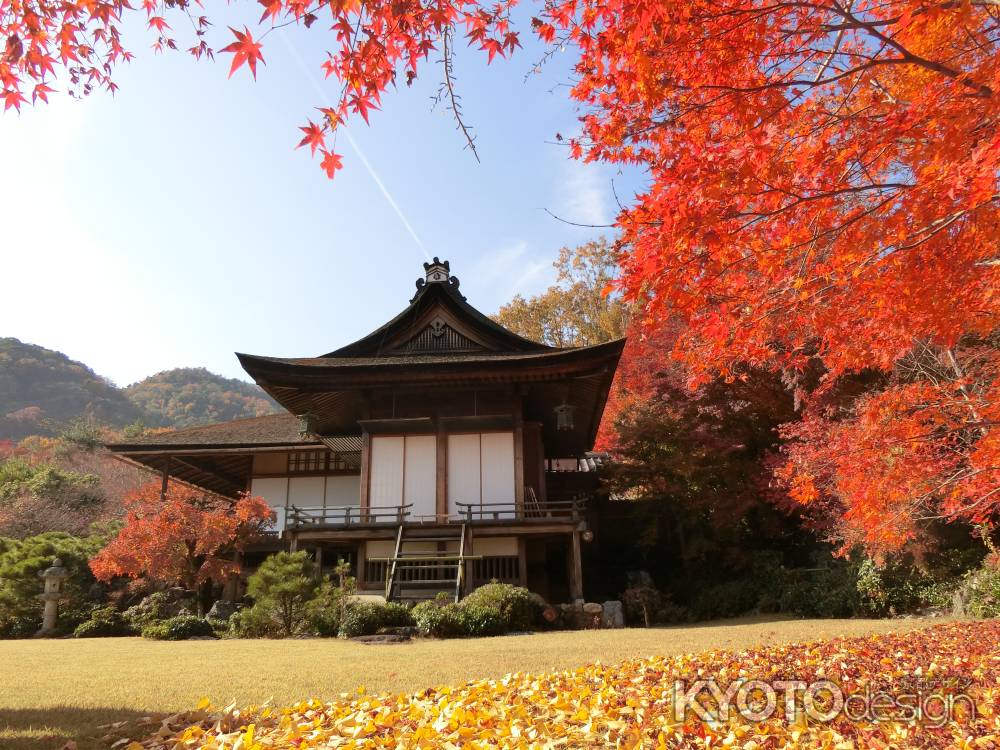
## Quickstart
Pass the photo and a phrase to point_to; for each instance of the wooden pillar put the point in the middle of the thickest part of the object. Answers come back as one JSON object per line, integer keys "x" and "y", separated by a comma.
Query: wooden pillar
{"x": 522, "y": 562}
{"x": 293, "y": 542}
{"x": 575, "y": 568}
{"x": 441, "y": 480}
{"x": 165, "y": 480}
{"x": 319, "y": 561}
{"x": 366, "y": 451}
{"x": 518, "y": 454}
{"x": 543, "y": 493}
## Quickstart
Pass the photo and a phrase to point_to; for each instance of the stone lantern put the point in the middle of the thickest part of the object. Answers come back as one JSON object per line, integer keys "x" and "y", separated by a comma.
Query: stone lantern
{"x": 52, "y": 595}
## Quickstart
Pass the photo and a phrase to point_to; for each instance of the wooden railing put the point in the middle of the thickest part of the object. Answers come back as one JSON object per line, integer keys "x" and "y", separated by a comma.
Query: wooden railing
{"x": 344, "y": 515}
{"x": 548, "y": 510}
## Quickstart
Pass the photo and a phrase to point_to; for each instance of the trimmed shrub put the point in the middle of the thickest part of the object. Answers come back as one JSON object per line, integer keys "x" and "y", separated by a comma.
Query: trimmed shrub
{"x": 367, "y": 618}
{"x": 517, "y": 608}
{"x": 326, "y": 611}
{"x": 439, "y": 620}
{"x": 106, "y": 622}
{"x": 179, "y": 628}
{"x": 396, "y": 615}
{"x": 482, "y": 619}
{"x": 158, "y": 606}
{"x": 252, "y": 622}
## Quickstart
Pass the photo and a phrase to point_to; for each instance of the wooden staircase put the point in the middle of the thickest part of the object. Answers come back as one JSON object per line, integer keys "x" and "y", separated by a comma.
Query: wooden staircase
{"x": 419, "y": 574}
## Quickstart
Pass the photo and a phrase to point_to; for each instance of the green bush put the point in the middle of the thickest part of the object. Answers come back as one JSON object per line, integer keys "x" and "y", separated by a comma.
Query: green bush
{"x": 367, "y": 618}
{"x": 179, "y": 628}
{"x": 282, "y": 588}
{"x": 899, "y": 586}
{"x": 438, "y": 619}
{"x": 20, "y": 563}
{"x": 326, "y": 610}
{"x": 482, "y": 619}
{"x": 252, "y": 622}
{"x": 396, "y": 615}
{"x": 981, "y": 590}
{"x": 156, "y": 607}
{"x": 106, "y": 622}
{"x": 517, "y": 608}
{"x": 727, "y": 599}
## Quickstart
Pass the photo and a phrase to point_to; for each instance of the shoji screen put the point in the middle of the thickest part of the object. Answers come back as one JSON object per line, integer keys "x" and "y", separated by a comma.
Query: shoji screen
{"x": 386, "y": 471}
{"x": 404, "y": 471}
{"x": 481, "y": 469}
{"x": 497, "y": 451}
{"x": 463, "y": 471}
{"x": 420, "y": 475}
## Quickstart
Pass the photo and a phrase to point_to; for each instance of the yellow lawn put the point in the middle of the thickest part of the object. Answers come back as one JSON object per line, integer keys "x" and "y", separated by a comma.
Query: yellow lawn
{"x": 55, "y": 691}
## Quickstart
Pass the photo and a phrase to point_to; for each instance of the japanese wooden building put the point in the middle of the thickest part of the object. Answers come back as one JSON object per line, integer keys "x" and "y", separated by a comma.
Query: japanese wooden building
{"x": 439, "y": 452}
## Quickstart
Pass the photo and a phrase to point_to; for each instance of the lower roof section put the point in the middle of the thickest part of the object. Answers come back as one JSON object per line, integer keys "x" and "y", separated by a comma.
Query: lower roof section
{"x": 219, "y": 457}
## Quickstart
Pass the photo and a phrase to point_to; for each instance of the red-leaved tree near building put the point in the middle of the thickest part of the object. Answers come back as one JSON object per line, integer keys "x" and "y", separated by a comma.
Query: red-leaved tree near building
{"x": 188, "y": 538}
{"x": 822, "y": 195}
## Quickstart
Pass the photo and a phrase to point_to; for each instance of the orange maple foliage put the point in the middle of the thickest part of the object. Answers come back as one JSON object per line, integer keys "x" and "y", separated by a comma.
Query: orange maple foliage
{"x": 823, "y": 180}
{"x": 186, "y": 538}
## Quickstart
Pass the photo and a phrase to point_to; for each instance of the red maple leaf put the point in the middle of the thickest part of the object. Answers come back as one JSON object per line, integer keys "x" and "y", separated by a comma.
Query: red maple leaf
{"x": 245, "y": 50}
{"x": 331, "y": 163}
{"x": 314, "y": 137}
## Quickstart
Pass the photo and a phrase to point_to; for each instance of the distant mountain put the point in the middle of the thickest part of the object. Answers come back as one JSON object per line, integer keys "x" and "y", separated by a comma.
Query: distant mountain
{"x": 42, "y": 391}
{"x": 190, "y": 396}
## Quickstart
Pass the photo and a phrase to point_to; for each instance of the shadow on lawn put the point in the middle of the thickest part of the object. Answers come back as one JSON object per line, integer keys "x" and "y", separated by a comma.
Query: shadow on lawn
{"x": 51, "y": 728}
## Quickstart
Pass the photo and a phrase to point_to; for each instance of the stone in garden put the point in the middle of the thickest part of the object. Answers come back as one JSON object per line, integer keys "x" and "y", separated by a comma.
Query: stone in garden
{"x": 375, "y": 639}
{"x": 221, "y": 610}
{"x": 614, "y": 615}
{"x": 408, "y": 630}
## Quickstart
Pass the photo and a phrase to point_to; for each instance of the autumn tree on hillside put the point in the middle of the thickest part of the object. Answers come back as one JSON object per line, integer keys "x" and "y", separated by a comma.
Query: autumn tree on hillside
{"x": 187, "y": 538}
{"x": 822, "y": 196}
{"x": 577, "y": 310}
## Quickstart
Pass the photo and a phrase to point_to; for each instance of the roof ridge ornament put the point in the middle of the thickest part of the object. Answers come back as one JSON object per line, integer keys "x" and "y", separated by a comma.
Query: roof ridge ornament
{"x": 437, "y": 272}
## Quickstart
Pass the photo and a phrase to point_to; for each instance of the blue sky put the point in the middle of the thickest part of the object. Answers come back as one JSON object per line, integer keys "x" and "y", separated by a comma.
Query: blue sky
{"x": 174, "y": 223}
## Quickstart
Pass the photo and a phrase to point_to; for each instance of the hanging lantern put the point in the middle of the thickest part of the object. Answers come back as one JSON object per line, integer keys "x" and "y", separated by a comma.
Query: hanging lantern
{"x": 564, "y": 416}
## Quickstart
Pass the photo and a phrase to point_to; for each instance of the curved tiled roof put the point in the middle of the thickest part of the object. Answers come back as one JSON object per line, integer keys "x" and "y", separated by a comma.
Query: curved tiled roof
{"x": 273, "y": 429}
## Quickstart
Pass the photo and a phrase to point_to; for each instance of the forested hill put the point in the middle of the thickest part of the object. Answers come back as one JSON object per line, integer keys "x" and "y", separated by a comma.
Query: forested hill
{"x": 42, "y": 391}
{"x": 189, "y": 396}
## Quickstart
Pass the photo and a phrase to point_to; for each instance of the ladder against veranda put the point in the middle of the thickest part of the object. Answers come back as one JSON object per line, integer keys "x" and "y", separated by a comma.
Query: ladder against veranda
{"x": 416, "y": 573}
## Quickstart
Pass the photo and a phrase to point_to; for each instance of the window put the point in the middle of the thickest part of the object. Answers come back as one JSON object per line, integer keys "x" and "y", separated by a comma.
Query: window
{"x": 317, "y": 462}
{"x": 307, "y": 461}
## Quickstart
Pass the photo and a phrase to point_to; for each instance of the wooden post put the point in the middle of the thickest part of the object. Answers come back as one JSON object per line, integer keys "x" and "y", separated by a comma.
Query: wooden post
{"x": 293, "y": 542}
{"x": 518, "y": 456}
{"x": 166, "y": 479}
{"x": 522, "y": 562}
{"x": 575, "y": 568}
{"x": 441, "y": 480}
{"x": 319, "y": 562}
{"x": 366, "y": 450}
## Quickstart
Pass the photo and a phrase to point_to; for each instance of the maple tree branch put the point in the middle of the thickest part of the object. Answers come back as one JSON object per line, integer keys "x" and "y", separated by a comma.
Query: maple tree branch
{"x": 449, "y": 88}
{"x": 576, "y": 223}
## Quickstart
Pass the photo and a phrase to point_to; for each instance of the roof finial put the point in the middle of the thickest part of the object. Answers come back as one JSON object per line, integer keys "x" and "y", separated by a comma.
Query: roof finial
{"x": 437, "y": 271}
